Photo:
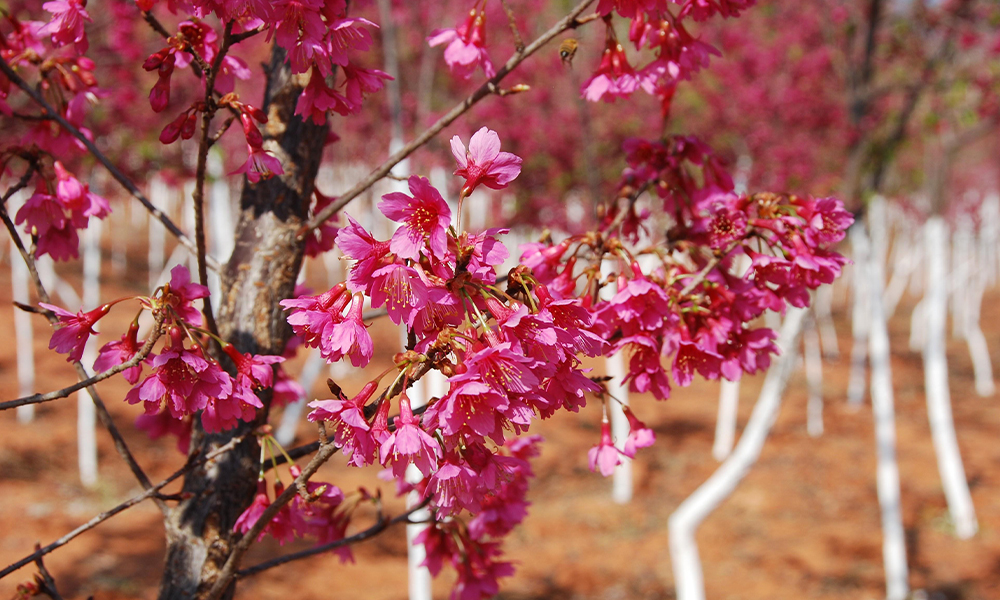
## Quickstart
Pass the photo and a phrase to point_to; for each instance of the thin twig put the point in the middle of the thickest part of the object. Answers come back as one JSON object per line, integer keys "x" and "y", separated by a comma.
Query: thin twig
{"x": 47, "y": 585}
{"x": 712, "y": 263}
{"x": 102, "y": 410}
{"x": 222, "y": 130}
{"x": 380, "y": 525}
{"x": 622, "y": 214}
{"x": 20, "y": 185}
{"x": 198, "y": 196}
{"x": 66, "y": 391}
{"x": 228, "y": 571}
{"x": 570, "y": 21}
{"x": 152, "y": 492}
{"x": 518, "y": 42}
{"x": 297, "y": 452}
{"x": 101, "y": 158}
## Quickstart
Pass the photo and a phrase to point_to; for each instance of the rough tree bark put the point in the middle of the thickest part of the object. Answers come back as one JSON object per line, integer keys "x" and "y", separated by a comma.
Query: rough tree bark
{"x": 261, "y": 272}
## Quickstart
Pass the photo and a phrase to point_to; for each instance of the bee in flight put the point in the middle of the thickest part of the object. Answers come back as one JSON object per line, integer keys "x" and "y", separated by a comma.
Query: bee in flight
{"x": 567, "y": 50}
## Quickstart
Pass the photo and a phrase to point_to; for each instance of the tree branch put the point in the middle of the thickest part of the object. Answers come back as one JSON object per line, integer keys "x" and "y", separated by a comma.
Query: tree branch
{"x": 570, "y": 21}
{"x": 380, "y": 525}
{"x": 198, "y": 196}
{"x": 66, "y": 391}
{"x": 101, "y": 158}
{"x": 152, "y": 492}
{"x": 102, "y": 410}
{"x": 228, "y": 571}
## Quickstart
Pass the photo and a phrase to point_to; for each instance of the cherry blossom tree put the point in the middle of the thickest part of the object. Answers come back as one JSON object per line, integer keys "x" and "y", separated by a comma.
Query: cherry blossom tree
{"x": 74, "y": 101}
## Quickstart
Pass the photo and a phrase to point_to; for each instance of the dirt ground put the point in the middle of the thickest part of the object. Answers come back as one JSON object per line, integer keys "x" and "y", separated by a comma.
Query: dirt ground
{"x": 804, "y": 523}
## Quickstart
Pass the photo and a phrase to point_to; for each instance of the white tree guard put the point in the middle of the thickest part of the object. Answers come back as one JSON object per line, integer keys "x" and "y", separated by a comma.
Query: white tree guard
{"x": 52, "y": 282}
{"x": 433, "y": 384}
{"x": 86, "y": 423}
{"x": 684, "y": 521}
{"x": 160, "y": 196}
{"x": 918, "y": 326}
{"x": 220, "y": 219}
{"x": 823, "y": 310}
{"x": 119, "y": 220}
{"x": 725, "y": 423}
{"x": 621, "y": 481}
{"x": 962, "y": 262}
{"x": 813, "y": 358}
{"x": 978, "y": 350}
{"x": 860, "y": 314}
{"x": 729, "y": 391}
{"x": 956, "y": 487}
{"x": 24, "y": 334}
{"x": 905, "y": 260}
{"x": 887, "y": 469}
{"x": 187, "y": 220}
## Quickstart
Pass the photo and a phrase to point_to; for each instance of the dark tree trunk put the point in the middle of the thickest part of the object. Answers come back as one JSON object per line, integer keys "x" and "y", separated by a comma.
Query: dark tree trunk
{"x": 260, "y": 273}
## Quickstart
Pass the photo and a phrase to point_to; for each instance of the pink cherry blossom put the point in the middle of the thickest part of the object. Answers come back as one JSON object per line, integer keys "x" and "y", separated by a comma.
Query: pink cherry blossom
{"x": 66, "y": 26}
{"x": 120, "y": 351}
{"x": 466, "y": 46}
{"x": 73, "y": 330}
{"x": 280, "y": 526}
{"x": 484, "y": 163}
{"x": 409, "y": 444}
{"x": 162, "y": 423}
{"x": 350, "y": 337}
{"x": 183, "y": 379}
{"x": 425, "y": 216}
{"x": 181, "y": 292}
{"x": 604, "y": 456}
{"x": 260, "y": 164}
{"x": 614, "y": 78}
{"x": 639, "y": 436}
{"x": 316, "y": 315}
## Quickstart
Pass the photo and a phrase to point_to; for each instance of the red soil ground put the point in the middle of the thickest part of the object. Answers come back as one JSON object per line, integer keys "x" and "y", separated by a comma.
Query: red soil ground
{"x": 804, "y": 523}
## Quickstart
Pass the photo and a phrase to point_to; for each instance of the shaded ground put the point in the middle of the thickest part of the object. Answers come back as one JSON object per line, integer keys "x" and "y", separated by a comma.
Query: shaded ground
{"x": 804, "y": 524}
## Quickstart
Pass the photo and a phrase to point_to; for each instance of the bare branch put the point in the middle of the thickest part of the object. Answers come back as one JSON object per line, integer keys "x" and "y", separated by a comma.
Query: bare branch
{"x": 102, "y": 410}
{"x": 46, "y": 584}
{"x": 152, "y": 492}
{"x": 380, "y": 525}
{"x": 20, "y": 185}
{"x": 66, "y": 391}
{"x": 198, "y": 196}
{"x": 712, "y": 263}
{"x": 570, "y": 21}
{"x": 228, "y": 571}
{"x": 101, "y": 158}
{"x": 518, "y": 42}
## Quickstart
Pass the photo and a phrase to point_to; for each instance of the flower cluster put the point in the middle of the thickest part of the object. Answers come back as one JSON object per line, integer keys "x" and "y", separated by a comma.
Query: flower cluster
{"x": 54, "y": 218}
{"x": 677, "y": 54}
{"x": 317, "y": 513}
{"x": 183, "y": 380}
{"x": 466, "y": 47}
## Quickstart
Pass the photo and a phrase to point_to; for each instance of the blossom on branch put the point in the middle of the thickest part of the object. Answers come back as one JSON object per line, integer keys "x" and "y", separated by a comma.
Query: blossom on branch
{"x": 484, "y": 163}
{"x": 73, "y": 330}
{"x": 425, "y": 217}
{"x": 466, "y": 46}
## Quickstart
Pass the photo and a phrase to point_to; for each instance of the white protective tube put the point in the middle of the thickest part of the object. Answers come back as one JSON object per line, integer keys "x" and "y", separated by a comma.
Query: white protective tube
{"x": 621, "y": 481}
{"x": 860, "y": 315}
{"x": 86, "y": 424}
{"x": 956, "y": 487}
{"x": 813, "y": 358}
{"x": 729, "y": 394}
{"x": 887, "y": 469}
{"x": 24, "y": 334}
{"x": 684, "y": 521}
